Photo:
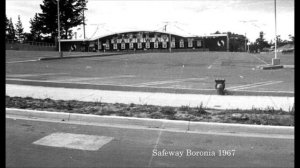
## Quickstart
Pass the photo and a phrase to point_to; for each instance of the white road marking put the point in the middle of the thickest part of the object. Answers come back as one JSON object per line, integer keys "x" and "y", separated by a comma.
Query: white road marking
{"x": 105, "y": 59}
{"x": 93, "y": 78}
{"x": 21, "y": 61}
{"x": 74, "y": 141}
{"x": 167, "y": 81}
{"x": 215, "y": 61}
{"x": 271, "y": 83}
{"x": 242, "y": 87}
{"x": 259, "y": 59}
{"x": 29, "y": 75}
{"x": 65, "y": 82}
{"x": 156, "y": 144}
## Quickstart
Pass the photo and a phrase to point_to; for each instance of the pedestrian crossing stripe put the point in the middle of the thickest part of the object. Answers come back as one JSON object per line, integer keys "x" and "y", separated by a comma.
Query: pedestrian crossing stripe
{"x": 74, "y": 141}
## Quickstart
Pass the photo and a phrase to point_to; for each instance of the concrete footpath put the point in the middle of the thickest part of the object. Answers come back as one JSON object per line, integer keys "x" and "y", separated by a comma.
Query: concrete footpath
{"x": 240, "y": 130}
{"x": 150, "y": 98}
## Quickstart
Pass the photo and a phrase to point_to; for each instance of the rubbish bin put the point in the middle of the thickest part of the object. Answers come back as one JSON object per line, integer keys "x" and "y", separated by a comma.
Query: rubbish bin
{"x": 220, "y": 86}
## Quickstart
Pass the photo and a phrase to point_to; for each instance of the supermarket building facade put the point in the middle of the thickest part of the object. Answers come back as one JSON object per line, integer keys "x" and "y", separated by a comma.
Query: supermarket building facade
{"x": 156, "y": 41}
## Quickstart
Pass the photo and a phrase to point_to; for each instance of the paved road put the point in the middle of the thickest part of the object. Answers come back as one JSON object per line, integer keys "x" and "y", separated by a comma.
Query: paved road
{"x": 122, "y": 147}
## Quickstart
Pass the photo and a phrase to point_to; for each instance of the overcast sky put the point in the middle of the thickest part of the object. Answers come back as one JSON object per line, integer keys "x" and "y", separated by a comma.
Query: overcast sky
{"x": 187, "y": 18}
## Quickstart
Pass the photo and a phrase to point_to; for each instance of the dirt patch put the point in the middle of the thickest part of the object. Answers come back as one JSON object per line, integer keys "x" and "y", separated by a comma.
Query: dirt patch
{"x": 254, "y": 116}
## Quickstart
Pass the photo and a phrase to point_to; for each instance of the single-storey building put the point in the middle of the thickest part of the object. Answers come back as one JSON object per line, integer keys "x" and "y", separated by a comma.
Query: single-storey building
{"x": 154, "y": 40}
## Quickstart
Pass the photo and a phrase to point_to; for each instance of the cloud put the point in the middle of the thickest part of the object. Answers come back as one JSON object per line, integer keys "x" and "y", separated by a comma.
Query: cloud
{"x": 26, "y": 10}
{"x": 197, "y": 17}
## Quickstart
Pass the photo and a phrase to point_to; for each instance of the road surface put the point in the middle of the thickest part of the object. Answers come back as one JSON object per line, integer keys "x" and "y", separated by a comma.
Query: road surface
{"x": 34, "y": 143}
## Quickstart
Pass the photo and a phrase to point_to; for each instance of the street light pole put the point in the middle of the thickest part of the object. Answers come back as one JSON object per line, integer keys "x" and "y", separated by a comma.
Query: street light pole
{"x": 58, "y": 25}
{"x": 275, "y": 30}
{"x": 275, "y": 61}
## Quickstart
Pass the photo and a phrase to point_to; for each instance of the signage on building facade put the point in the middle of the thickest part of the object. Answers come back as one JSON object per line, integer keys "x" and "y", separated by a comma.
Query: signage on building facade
{"x": 199, "y": 43}
{"x": 155, "y": 40}
{"x": 123, "y": 45}
{"x": 221, "y": 43}
{"x": 115, "y": 45}
{"x": 139, "y": 45}
{"x": 181, "y": 43}
{"x": 173, "y": 44}
{"x": 156, "y": 44}
{"x": 131, "y": 45}
{"x": 190, "y": 42}
{"x": 164, "y": 44}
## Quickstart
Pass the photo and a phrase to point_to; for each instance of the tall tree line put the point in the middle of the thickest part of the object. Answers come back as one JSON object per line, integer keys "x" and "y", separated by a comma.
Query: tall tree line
{"x": 19, "y": 30}
{"x": 10, "y": 33}
{"x": 260, "y": 43}
{"x": 44, "y": 25}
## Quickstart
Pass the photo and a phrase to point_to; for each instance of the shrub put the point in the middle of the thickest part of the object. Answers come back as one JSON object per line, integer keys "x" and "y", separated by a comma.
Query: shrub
{"x": 184, "y": 108}
{"x": 156, "y": 115}
{"x": 168, "y": 110}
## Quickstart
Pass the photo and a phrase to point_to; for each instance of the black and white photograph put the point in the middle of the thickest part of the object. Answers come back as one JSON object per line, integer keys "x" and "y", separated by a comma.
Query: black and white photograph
{"x": 149, "y": 83}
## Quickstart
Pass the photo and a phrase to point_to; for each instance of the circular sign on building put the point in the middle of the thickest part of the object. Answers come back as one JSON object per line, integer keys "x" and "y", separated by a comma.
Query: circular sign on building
{"x": 221, "y": 43}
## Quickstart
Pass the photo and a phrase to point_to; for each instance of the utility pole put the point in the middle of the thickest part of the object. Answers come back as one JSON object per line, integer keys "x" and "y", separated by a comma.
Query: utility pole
{"x": 227, "y": 42}
{"x": 245, "y": 42}
{"x": 58, "y": 25}
{"x": 83, "y": 24}
{"x": 170, "y": 48}
{"x": 275, "y": 30}
{"x": 275, "y": 61}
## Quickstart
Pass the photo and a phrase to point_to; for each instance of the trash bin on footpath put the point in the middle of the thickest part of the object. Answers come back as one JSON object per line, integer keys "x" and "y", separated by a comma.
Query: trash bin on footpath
{"x": 220, "y": 86}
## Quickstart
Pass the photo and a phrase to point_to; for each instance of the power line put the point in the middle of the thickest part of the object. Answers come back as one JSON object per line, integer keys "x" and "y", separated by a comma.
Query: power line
{"x": 184, "y": 30}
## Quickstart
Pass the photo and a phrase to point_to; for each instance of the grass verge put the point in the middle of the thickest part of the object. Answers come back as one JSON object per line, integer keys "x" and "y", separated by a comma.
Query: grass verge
{"x": 267, "y": 116}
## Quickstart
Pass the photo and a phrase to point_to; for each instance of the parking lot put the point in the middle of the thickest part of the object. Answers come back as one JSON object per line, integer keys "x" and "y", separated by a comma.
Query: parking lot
{"x": 190, "y": 71}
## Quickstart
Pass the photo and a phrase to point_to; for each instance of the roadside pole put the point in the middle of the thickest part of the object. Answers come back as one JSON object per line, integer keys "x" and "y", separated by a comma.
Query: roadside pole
{"x": 58, "y": 25}
{"x": 275, "y": 61}
{"x": 170, "y": 41}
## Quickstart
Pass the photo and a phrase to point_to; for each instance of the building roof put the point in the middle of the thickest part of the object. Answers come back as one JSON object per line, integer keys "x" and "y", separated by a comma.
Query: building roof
{"x": 98, "y": 37}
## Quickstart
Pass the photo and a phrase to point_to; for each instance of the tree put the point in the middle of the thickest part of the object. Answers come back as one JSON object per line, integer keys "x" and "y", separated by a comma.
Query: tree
{"x": 261, "y": 42}
{"x": 11, "y": 34}
{"x": 19, "y": 30}
{"x": 278, "y": 41}
{"x": 6, "y": 27}
{"x": 292, "y": 38}
{"x": 71, "y": 15}
{"x": 28, "y": 37}
{"x": 281, "y": 42}
{"x": 35, "y": 28}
